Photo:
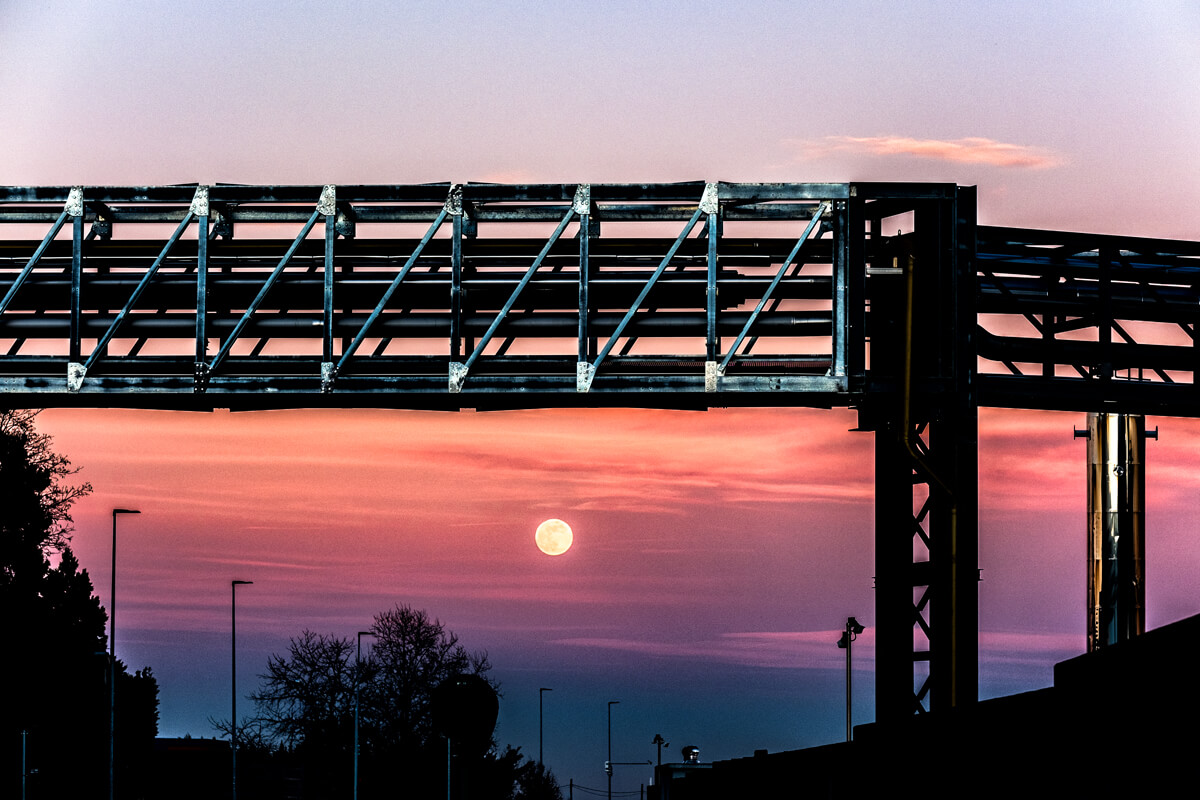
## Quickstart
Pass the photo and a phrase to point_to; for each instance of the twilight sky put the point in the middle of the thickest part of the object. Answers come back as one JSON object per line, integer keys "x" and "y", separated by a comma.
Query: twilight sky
{"x": 716, "y": 553}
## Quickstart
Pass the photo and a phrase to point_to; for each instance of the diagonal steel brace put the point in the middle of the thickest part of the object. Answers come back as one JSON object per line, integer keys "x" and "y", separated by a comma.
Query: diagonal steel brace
{"x": 585, "y": 372}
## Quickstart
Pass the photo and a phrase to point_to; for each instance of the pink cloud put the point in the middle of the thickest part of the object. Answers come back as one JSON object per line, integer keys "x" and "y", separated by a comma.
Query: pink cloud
{"x": 968, "y": 150}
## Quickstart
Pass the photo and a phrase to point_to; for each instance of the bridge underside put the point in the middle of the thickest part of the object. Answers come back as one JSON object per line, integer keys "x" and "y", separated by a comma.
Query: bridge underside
{"x": 884, "y": 297}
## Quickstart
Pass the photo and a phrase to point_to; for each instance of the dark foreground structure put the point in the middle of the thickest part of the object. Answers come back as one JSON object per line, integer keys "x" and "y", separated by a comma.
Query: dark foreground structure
{"x": 885, "y": 297}
{"x": 1118, "y": 722}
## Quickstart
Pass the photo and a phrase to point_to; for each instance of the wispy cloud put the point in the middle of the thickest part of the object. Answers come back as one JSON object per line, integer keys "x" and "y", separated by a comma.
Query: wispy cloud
{"x": 1003, "y": 647}
{"x": 969, "y": 150}
{"x": 813, "y": 649}
{"x": 777, "y": 649}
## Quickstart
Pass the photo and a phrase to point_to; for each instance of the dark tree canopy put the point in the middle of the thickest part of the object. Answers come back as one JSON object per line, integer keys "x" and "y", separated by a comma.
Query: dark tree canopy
{"x": 36, "y": 491}
{"x": 305, "y": 710}
{"x": 412, "y": 655}
{"x": 59, "y": 667}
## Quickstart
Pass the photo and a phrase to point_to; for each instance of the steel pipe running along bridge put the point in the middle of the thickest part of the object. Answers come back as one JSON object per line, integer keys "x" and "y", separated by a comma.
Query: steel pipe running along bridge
{"x": 884, "y": 297}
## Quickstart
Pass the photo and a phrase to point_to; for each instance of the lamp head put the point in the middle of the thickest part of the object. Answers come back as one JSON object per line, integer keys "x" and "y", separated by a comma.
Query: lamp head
{"x": 844, "y": 642}
{"x": 125, "y": 511}
{"x": 853, "y": 626}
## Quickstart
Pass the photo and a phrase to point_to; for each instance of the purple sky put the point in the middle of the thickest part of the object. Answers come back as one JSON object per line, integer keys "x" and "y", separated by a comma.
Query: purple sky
{"x": 716, "y": 553}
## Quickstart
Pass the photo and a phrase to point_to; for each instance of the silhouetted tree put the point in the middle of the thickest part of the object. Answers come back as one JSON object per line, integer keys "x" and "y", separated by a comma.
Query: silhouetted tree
{"x": 411, "y": 656}
{"x": 536, "y": 782}
{"x": 507, "y": 775}
{"x": 38, "y": 499}
{"x": 58, "y": 667}
{"x": 306, "y": 705}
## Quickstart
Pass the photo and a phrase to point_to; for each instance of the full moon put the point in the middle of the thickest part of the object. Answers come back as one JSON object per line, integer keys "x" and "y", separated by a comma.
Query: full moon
{"x": 554, "y": 537}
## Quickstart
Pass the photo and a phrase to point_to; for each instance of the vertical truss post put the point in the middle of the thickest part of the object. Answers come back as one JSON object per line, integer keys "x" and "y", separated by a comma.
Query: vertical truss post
{"x": 956, "y": 438}
{"x": 926, "y": 474}
{"x": 841, "y": 282}
{"x": 855, "y": 233}
{"x": 76, "y": 211}
{"x": 456, "y": 268}
{"x": 201, "y": 295}
{"x": 1104, "y": 323}
{"x": 711, "y": 206}
{"x": 583, "y": 207}
{"x": 328, "y": 206}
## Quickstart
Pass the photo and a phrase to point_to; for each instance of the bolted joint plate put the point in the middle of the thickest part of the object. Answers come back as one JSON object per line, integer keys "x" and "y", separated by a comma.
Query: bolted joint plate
{"x": 75, "y": 376}
{"x": 328, "y": 375}
{"x": 711, "y": 374}
{"x": 583, "y": 199}
{"x": 709, "y": 202}
{"x": 454, "y": 201}
{"x": 327, "y": 204}
{"x": 200, "y": 202}
{"x": 101, "y": 228}
{"x": 75, "y": 201}
{"x": 458, "y": 374}
{"x": 200, "y": 381}
{"x": 584, "y": 374}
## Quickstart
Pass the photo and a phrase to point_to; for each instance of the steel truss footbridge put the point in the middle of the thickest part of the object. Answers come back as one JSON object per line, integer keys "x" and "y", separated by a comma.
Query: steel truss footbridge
{"x": 885, "y": 297}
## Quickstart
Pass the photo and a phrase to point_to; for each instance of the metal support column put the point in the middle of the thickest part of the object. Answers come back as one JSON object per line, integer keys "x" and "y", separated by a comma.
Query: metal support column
{"x": 923, "y": 410}
{"x": 1116, "y": 576}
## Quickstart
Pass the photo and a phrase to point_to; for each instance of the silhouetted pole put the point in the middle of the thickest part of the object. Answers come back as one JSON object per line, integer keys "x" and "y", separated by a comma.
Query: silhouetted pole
{"x": 848, "y": 637}
{"x": 608, "y": 764}
{"x": 541, "y": 692}
{"x": 233, "y": 673}
{"x": 112, "y": 660}
{"x": 357, "y": 681}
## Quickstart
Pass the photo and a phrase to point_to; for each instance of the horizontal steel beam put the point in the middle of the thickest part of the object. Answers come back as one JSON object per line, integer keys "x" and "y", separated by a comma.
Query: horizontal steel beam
{"x": 1058, "y": 304}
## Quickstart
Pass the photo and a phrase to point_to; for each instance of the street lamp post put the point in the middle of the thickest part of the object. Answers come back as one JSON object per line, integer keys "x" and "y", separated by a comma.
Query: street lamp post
{"x": 112, "y": 659}
{"x": 853, "y": 629}
{"x": 661, "y": 742}
{"x": 233, "y": 675}
{"x": 357, "y": 680}
{"x": 541, "y": 692}
{"x": 608, "y": 764}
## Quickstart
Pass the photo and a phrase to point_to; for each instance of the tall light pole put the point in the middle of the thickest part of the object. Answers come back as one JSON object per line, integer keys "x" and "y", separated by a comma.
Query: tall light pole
{"x": 608, "y": 764}
{"x": 541, "y": 692}
{"x": 853, "y": 629}
{"x": 357, "y": 680}
{"x": 112, "y": 659}
{"x": 233, "y": 674}
{"x": 661, "y": 742}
